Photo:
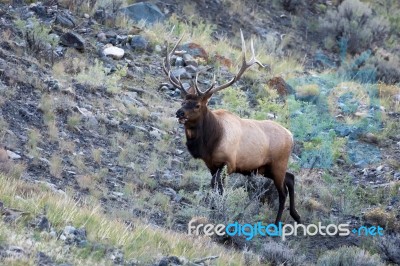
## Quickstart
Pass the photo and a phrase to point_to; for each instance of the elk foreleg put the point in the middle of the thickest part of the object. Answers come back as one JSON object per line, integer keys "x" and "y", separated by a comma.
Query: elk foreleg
{"x": 216, "y": 180}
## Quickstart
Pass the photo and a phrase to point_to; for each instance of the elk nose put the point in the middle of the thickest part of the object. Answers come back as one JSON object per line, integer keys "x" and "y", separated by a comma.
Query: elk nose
{"x": 180, "y": 113}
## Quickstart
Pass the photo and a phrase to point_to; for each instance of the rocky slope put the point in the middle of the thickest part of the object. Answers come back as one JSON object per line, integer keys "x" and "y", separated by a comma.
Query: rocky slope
{"x": 94, "y": 166}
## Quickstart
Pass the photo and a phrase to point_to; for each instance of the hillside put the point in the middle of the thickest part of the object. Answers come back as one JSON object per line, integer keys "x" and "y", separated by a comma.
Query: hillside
{"x": 94, "y": 169}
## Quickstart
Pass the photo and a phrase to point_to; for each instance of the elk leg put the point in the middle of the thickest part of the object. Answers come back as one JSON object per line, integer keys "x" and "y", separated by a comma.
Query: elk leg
{"x": 289, "y": 181}
{"x": 282, "y": 191}
{"x": 216, "y": 181}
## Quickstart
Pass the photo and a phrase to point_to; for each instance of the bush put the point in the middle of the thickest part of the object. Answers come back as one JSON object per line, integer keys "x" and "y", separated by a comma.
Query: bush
{"x": 387, "y": 67}
{"x": 280, "y": 254}
{"x": 390, "y": 248}
{"x": 292, "y": 5}
{"x": 355, "y": 23}
{"x": 349, "y": 256}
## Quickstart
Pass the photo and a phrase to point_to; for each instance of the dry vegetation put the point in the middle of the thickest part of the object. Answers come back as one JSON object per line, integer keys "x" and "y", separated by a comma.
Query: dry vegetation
{"x": 126, "y": 177}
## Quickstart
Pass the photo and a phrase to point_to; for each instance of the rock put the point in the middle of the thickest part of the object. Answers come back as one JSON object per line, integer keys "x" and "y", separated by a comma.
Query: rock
{"x": 15, "y": 252}
{"x": 189, "y": 60}
{"x": 117, "y": 256}
{"x": 178, "y": 62}
{"x": 370, "y": 138}
{"x": 84, "y": 111}
{"x": 72, "y": 39}
{"x": 13, "y": 155}
{"x": 182, "y": 73}
{"x": 65, "y": 20}
{"x": 114, "y": 52}
{"x": 121, "y": 39}
{"x": 379, "y": 168}
{"x": 100, "y": 15}
{"x": 43, "y": 260}
{"x": 158, "y": 48}
{"x": 39, "y": 9}
{"x": 41, "y": 223}
{"x": 397, "y": 175}
{"x": 360, "y": 114}
{"x": 171, "y": 261}
{"x": 143, "y": 11}
{"x": 101, "y": 37}
{"x": 195, "y": 50}
{"x": 271, "y": 116}
{"x": 135, "y": 30}
{"x": 118, "y": 194}
{"x": 73, "y": 236}
{"x": 138, "y": 42}
{"x": 191, "y": 69}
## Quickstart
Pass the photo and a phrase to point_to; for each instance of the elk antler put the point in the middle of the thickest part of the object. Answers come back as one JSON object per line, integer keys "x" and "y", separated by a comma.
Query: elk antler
{"x": 243, "y": 68}
{"x": 167, "y": 69}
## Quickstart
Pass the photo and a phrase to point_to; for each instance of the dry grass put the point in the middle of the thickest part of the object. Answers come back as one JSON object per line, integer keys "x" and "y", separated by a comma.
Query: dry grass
{"x": 143, "y": 243}
{"x": 56, "y": 165}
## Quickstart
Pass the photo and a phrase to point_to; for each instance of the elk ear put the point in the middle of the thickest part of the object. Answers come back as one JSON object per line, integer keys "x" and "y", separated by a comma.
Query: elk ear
{"x": 206, "y": 98}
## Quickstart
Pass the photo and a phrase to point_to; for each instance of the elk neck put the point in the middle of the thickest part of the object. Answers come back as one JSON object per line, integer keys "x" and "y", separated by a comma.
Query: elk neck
{"x": 203, "y": 135}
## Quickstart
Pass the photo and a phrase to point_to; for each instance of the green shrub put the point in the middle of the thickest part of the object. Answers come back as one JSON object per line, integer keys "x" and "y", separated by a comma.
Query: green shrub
{"x": 96, "y": 77}
{"x": 355, "y": 23}
{"x": 36, "y": 36}
{"x": 280, "y": 254}
{"x": 349, "y": 256}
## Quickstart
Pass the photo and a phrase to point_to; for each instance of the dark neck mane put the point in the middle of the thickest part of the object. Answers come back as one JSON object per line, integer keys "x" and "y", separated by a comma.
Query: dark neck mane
{"x": 204, "y": 136}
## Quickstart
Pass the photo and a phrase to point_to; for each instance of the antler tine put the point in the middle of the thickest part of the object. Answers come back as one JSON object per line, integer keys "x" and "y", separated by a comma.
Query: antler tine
{"x": 167, "y": 68}
{"x": 196, "y": 87}
{"x": 243, "y": 68}
{"x": 253, "y": 58}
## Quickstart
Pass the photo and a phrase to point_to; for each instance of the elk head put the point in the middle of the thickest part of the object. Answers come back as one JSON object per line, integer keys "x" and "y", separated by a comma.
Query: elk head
{"x": 195, "y": 104}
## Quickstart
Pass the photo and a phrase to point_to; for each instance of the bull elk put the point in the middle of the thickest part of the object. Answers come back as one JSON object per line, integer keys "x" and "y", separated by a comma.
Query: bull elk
{"x": 221, "y": 138}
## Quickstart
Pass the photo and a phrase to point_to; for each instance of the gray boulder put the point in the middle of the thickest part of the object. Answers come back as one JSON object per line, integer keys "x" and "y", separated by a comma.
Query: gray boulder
{"x": 145, "y": 11}
{"x": 72, "y": 39}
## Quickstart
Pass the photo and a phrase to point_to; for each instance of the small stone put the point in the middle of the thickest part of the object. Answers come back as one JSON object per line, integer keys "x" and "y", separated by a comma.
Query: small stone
{"x": 191, "y": 69}
{"x": 158, "y": 48}
{"x": 101, "y": 37}
{"x": 179, "y": 62}
{"x": 65, "y": 20}
{"x": 13, "y": 155}
{"x": 181, "y": 73}
{"x": 271, "y": 116}
{"x": 379, "y": 168}
{"x": 371, "y": 138}
{"x": 72, "y": 39}
{"x": 189, "y": 60}
{"x": 86, "y": 15}
{"x": 138, "y": 42}
{"x": 118, "y": 194}
{"x": 360, "y": 114}
{"x": 114, "y": 52}
{"x": 397, "y": 175}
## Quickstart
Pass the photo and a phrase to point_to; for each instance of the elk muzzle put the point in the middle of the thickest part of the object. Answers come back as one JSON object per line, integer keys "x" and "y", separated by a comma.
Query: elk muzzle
{"x": 180, "y": 114}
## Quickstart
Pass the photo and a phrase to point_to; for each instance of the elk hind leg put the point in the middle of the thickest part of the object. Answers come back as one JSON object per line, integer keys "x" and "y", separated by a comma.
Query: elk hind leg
{"x": 279, "y": 181}
{"x": 289, "y": 182}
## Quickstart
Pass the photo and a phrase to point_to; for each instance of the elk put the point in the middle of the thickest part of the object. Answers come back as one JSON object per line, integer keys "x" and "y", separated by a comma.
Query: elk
{"x": 221, "y": 138}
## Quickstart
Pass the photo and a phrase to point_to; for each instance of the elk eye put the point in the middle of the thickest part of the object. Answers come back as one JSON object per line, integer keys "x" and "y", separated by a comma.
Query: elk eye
{"x": 197, "y": 106}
